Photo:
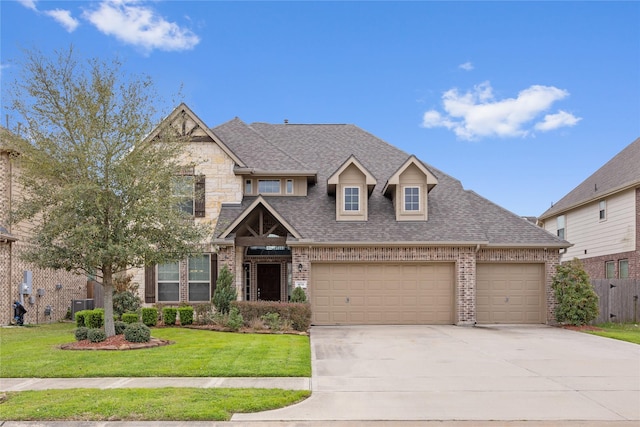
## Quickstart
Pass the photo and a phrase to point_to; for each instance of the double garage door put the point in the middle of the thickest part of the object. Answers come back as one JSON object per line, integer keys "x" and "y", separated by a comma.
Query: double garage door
{"x": 423, "y": 293}
{"x": 393, "y": 294}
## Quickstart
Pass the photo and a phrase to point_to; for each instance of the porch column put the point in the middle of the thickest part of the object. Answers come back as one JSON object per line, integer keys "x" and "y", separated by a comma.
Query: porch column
{"x": 466, "y": 288}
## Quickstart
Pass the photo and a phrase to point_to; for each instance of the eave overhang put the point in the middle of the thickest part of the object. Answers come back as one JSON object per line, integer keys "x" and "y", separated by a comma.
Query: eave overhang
{"x": 312, "y": 176}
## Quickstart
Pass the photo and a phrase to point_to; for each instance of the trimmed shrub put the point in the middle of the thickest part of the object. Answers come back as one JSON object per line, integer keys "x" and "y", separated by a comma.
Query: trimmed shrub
{"x": 81, "y": 333}
{"x": 125, "y": 302}
{"x": 169, "y": 315}
{"x": 235, "y": 320}
{"x": 80, "y": 315}
{"x": 94, "y": 319}
{"x": 186, "y": 315}
{"x": 150, "y": 316}
{"x": 298, "y": 314}
{"x": 96, "y": 335}
{"x": 130, "y": 317}
{"x": 298, "y": 295}
{"x": 119, "y": 326}
{"x": 273, "y": 321}
{"x": 225, "y": 292}
{"x": 137, "y": 332}
{"x": 577, "y": 301}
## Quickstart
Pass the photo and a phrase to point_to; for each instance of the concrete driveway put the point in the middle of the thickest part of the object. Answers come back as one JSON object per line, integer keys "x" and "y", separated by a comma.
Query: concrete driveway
{"x": 457, "y": 373}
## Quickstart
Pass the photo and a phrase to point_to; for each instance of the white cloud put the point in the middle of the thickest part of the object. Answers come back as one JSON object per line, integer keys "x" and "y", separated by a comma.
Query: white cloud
{"x": 64, "y": 18}
{"x": 135, "y": 24}
{"x": 29, "y": 4}
{"x": 477, "y": 113}
{"x": 555, "y": 121}
{"x": 467, "y": 66}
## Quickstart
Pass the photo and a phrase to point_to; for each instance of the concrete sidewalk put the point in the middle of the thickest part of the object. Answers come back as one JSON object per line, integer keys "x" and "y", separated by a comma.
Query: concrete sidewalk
{"x": 285, "y": 383}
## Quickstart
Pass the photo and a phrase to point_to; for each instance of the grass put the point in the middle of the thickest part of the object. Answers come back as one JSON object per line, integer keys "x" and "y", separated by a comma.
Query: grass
{"x": 33, "y": 352}
{"x": 621, "y": 331}
{"x": 160, "y": 404}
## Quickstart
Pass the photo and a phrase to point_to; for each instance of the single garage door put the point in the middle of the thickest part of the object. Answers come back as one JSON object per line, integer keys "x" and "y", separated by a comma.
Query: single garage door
{"x": 510, "y": 293}
{"x": 391, "y": 294}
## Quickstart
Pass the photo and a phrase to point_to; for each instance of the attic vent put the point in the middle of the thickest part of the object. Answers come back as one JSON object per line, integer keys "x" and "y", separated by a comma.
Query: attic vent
{"x": 286, "y": 121}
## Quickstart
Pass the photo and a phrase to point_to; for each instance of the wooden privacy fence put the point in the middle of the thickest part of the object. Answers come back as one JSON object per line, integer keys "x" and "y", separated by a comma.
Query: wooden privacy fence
{"x": 618, "y": 300}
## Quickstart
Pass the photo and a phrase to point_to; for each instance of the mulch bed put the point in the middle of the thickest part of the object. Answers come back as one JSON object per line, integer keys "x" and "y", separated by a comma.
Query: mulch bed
{"x": 582, "y": 328}
{"x": 116, "y": 342}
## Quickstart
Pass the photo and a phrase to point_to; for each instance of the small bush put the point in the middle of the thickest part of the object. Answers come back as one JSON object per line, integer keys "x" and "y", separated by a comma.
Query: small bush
{"x": 577, "y": 301}
{"x": 130, "y": 317}
{"x": 273, "y": 321}
{"x": 81, "y": 333}
{"x": 137, "y": 332}
{"x": 119, "y": 326}
{"x": 125, "y": 302}
{"x": 80, "y": 315}
{"x": 150, "y": 316}
{"x": 225, "y": 292}
{"x": 94, "y": 319}
{"x": 96, "y": 335}
{"x": 299, "y": 314}
{"x": 186, "y": 315}
{"x": 235, "y": 320}
{"x": 169, "y": 315}
{"x": 298, "y": 295}
{"x": 202, "y": 313}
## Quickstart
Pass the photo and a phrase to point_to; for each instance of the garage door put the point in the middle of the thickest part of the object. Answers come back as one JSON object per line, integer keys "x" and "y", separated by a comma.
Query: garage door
{"x": 510, "y": 293}
{"x": 382, "y": 294}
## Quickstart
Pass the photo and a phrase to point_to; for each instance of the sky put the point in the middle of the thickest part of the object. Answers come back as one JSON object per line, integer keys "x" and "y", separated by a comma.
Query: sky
{"x": 520, "y": 101}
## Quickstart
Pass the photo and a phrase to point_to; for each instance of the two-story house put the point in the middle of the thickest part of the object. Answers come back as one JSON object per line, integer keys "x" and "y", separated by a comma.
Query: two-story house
{"x": 51, "y": 291}
{"x": 601, "y": 218}
{"x": 374, "y": 235}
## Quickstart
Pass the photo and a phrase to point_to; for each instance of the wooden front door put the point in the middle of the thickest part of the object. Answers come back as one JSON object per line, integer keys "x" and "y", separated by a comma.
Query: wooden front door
{"x": 269, "y": 282}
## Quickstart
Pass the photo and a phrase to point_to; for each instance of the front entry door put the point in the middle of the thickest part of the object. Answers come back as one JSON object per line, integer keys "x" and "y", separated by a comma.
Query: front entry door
{"x": 269, "y": 282}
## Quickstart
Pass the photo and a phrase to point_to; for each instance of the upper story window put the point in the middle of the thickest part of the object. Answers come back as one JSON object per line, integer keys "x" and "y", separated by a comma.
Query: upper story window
{"x": 561, "y": 230}
{"x": 412, "y": 198}
{"x": 189, "y": 191}
{"x": 351, "y": 199}
{"x": 603, "y": 210}
{"x": 248, "y": 186}
{"x": 269, "y": 186}
{"x": 289, "y": 186}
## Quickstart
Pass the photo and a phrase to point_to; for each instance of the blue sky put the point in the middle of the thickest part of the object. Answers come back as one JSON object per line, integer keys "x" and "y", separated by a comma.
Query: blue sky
{"x": 521, "y": 101}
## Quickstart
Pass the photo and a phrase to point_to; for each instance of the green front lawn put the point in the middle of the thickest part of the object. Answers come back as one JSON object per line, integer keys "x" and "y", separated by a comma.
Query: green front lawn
{"x": 621, "y": 331}
{"x": 160, "y": 404}
{"x": 33, "y": 352}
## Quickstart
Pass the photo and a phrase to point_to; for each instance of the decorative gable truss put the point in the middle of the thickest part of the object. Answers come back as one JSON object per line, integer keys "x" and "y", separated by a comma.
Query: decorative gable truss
{"x": 408, "y": 188}
{"x": 352, "y": 184}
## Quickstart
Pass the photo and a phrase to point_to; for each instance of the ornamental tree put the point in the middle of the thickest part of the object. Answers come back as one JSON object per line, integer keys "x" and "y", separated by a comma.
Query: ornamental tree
{"x": 577, "y": 302}
{"x": 98, "y": 184}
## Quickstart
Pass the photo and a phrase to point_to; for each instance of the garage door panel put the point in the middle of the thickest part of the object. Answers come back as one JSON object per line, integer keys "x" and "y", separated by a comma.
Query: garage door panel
{"x": 382, "y": 293}
{"x": 510, "y": 293}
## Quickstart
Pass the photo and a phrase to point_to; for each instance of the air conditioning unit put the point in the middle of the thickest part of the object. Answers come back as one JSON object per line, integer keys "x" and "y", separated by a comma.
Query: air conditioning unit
{"x": 79, "y": 305}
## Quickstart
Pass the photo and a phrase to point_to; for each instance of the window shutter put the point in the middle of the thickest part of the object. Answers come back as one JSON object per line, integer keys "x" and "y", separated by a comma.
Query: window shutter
{"x": 214, "y": 273}
{"x": 199, "y": 196}
{"x": 150, "y": 284}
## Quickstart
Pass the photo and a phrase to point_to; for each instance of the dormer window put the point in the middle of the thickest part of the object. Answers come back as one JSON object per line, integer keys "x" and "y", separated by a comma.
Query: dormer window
{"x": 411, "y": 199}
{"x": 351, "y": 199}
{"x": 289, "y": 186}
{"x": 269, "y": 186}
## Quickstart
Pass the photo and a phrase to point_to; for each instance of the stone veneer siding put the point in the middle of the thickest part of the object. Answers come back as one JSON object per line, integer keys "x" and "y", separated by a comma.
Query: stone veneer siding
{"x": 465, "y": 259}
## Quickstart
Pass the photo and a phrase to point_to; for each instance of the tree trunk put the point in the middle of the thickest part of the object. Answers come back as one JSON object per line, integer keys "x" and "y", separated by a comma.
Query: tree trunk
{"x": 107, "y": 285}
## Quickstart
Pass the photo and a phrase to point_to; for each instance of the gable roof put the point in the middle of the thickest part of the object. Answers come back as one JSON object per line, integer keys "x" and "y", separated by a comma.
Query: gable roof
{"x": 334, "y": 178}
{"x": 432, "y": 181}
{"x": 258, "y": 201}
{"x": 619, "y": 173}
{"x": 456, "y": 216}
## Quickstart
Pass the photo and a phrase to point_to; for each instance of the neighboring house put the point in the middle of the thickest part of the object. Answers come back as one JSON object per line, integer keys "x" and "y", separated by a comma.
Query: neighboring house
{"x": 601, "y": 218}
{"x": 374, "y": 235}
{"x": 51, "y": 291}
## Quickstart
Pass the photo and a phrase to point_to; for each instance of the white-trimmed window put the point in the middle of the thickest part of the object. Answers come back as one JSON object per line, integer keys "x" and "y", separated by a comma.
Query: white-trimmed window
{"x": 269, "y": 186}
{"x": 169, "y": 282}
{"x": 602, "y": 208}
{"x": 412, "y": 199}
{"x": 200, "y": 278}
{"x": 289, "y": 186}
{"x": 248, "y": 186}
{"x": 623, "y": 269}
{"x": 352, "y": 199}
{"x": 561, "y": 225}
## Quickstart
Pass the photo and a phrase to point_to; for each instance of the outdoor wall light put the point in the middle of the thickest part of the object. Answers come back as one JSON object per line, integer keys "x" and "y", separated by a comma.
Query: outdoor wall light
{"x": 299, "y": 268}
